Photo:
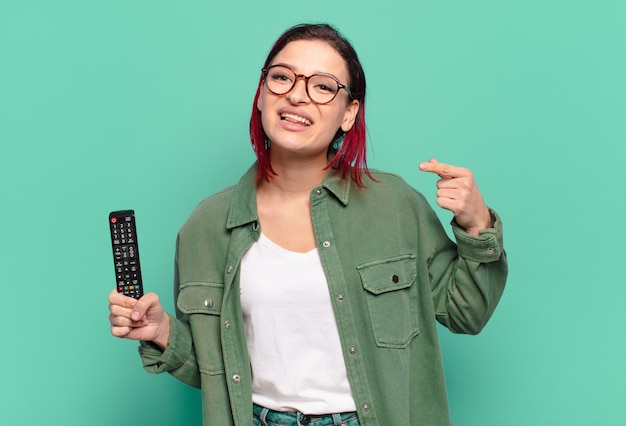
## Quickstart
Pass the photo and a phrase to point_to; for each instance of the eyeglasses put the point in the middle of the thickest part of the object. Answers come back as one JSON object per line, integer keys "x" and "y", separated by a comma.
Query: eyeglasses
{"x": 321, "y": 88}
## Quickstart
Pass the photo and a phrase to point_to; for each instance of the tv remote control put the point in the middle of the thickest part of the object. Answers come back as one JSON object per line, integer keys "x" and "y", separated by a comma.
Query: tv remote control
{"x": 126, "y": 253}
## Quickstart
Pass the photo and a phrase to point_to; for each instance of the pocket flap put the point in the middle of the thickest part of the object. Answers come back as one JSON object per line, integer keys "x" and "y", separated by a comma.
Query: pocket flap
{"x": 390, "y": 274}
{"x": 201, "y": 298}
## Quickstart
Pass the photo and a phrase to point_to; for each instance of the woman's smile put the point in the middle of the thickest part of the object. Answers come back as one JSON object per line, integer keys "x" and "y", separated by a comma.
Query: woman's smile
{"x": 293, "y": 118}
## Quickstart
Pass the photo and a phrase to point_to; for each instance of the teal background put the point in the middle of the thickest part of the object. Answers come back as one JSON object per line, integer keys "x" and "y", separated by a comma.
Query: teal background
{"x": 93, "y": 94}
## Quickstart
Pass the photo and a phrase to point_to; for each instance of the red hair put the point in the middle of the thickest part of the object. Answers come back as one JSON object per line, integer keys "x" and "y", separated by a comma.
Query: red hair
{"x": 350, "y": 158}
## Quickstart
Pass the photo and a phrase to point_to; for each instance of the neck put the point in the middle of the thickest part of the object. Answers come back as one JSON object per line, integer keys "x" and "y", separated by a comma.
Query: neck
{"x": 295, "y": 176}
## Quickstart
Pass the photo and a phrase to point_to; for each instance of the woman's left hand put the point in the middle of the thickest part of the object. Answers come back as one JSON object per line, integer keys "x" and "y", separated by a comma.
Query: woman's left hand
{"x": 457, "y": 191}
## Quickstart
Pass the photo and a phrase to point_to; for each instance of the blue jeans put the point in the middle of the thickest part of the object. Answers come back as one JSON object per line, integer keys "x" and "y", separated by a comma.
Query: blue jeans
{"x": 266, "y": 417}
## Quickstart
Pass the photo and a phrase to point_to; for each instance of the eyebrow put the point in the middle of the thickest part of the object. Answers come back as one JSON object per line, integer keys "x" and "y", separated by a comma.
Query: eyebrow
{"x": 316, "y": 72}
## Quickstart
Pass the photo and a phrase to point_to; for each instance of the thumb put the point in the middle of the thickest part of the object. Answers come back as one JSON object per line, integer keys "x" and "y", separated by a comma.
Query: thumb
{"x": 137, "y": 314}
{"x": 143, "y": 305}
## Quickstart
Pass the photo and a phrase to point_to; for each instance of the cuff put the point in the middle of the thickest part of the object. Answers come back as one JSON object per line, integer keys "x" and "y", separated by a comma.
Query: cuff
{"x": 177, "y": 352}
{"x": 487, "y": 247}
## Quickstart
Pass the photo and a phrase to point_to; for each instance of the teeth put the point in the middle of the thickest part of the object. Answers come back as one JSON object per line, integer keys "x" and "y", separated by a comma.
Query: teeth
{"x": 297, "y": 118}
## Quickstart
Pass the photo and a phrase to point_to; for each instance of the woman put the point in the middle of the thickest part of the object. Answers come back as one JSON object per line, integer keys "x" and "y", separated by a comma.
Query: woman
{"x": 309, "y": 292}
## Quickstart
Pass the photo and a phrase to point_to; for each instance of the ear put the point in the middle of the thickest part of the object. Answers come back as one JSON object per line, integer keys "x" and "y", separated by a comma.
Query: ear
{"x": 259, "y": 101}
{"x": 350, "y": 115}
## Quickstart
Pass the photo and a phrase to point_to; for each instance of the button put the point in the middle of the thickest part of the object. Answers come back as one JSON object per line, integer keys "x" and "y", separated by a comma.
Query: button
{"x": 395, "y": 278}
{"x": 326, "y": 244}
{"x": 340, "y": 297}
{"x": 490, "y": 249}
{"x": 236, "y": 378}
{"x": 352, "y": 351}
{"x": 366, "y": 407}
{"x": 208, "y": 303}
{"x": 227, "y": 324}
{"x": 318, "y": 191}
{"x": 230, "y": 269}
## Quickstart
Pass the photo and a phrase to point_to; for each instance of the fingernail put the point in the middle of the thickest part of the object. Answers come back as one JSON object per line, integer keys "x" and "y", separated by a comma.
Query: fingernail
{"x": 135, "y": 316}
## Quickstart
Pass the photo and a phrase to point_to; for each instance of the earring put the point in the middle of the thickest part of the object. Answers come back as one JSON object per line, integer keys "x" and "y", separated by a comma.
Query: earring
{"x": 267, "y": 144}
{"x": 338, "y": 141}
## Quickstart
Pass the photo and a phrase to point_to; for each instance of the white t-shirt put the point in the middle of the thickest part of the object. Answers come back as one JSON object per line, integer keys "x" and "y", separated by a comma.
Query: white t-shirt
{"x": 295, "y": 353}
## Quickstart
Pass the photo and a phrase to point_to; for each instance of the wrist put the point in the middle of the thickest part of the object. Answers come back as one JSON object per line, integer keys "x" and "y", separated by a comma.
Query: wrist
{"x": 163, "y": 333}
{"x": 484, "y": 223}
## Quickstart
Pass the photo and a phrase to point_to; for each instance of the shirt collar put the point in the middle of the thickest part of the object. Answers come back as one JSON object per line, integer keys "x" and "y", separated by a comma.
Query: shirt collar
{"x": 338, "y": 186}
{"x": 243, "y": 208}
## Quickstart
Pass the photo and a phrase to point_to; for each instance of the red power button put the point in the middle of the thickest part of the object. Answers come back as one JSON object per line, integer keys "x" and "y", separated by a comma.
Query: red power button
{"x": 113, "y": 220}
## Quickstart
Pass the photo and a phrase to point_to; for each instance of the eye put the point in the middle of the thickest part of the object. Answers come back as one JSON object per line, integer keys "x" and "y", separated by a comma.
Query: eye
{"x": 323, "y": 84}
{"x": 325, "y": 88}
{"x": 280, "y": 75}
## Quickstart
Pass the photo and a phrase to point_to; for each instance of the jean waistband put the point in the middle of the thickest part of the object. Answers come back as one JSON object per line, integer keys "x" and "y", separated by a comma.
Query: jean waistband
{"x": 296, "y": 418}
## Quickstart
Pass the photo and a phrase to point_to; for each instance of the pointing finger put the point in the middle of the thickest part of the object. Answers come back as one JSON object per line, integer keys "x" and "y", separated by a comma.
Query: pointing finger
{"x": 442, "y": 169}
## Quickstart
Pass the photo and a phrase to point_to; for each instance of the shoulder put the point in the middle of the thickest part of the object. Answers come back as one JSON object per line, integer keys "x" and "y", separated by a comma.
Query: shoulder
{"x": 211, "y": 211}
{"x": 391, "y": 185}
{"x": 215, "y": 209}
{"x": 219, "y": 200}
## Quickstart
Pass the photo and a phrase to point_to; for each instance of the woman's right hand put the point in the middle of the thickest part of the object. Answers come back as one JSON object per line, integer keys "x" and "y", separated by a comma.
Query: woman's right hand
{"x": 142, "y": 319}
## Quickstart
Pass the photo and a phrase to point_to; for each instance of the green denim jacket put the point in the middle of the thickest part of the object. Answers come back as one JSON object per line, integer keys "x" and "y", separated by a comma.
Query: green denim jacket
{"x": 392, "y": 272}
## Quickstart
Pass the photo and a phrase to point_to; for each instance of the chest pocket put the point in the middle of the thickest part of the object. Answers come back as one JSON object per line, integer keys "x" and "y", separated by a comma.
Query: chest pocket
{"x": 201, "y": 298}
{"x": 201, "y": 303}
{"x": 391, "y": 296}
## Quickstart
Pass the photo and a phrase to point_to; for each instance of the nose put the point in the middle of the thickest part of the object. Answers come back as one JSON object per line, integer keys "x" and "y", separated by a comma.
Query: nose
{"x": 298, "y": 93}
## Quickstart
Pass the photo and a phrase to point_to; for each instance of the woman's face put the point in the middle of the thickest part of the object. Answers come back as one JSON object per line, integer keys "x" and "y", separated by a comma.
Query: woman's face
{"x": 292, "y": 122}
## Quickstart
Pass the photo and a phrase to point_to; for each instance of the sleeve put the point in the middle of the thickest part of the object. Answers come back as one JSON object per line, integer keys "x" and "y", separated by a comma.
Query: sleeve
{"x": 178, "y": 358}
{"x": 467, "y": 278}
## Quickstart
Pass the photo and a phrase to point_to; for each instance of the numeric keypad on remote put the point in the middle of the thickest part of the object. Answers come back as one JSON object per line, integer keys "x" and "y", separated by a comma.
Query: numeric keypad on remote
{"x": 126, "y": 253}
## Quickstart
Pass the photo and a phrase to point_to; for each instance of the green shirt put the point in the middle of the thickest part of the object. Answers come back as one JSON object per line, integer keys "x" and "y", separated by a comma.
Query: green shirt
{"x": 392, "y": 273}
